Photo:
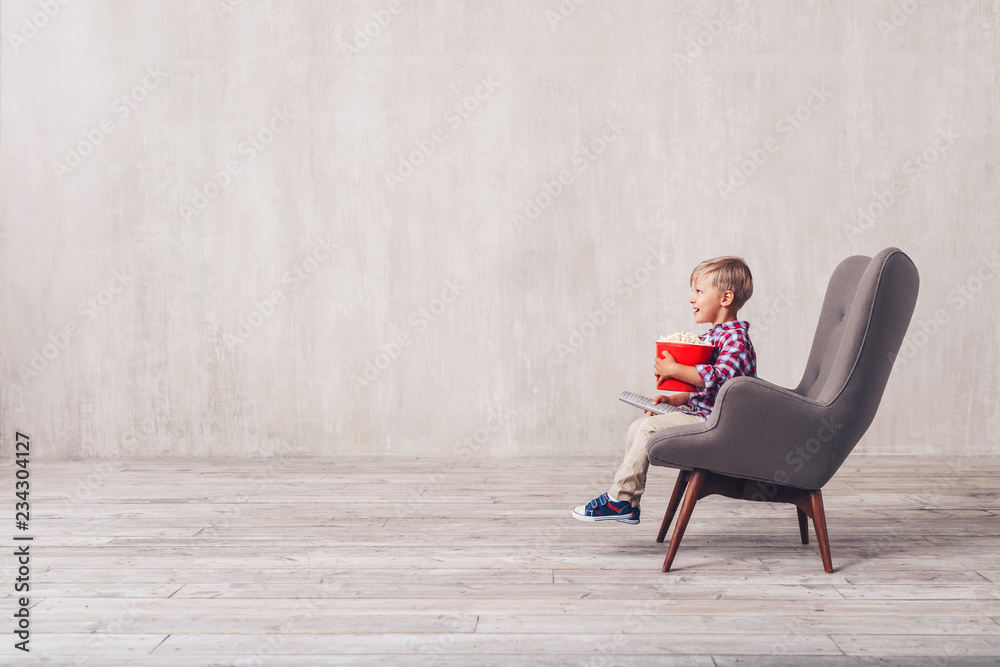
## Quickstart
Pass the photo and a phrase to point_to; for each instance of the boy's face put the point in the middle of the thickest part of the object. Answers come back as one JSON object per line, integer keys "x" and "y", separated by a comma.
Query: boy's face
{"x": 708, "y": 303}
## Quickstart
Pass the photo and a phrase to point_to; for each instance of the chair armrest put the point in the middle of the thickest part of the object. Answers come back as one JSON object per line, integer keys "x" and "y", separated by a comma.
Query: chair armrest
{"x": 759, "y": 431}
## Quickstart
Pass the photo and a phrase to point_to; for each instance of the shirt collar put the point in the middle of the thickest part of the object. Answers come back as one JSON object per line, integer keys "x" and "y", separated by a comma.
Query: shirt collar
{"x": 729, "y": 326}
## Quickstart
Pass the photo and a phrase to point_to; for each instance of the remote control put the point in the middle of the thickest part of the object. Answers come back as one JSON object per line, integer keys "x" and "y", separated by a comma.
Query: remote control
{"x": 644, "y": 403}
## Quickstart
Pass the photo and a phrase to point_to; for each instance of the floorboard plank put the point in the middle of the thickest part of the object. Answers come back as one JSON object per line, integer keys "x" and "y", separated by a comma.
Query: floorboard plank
{"x": 233, "y": 561}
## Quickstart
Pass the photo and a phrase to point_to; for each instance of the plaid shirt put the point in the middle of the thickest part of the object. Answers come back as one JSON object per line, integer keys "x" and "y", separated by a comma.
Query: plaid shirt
{"x": 733, "y": 356}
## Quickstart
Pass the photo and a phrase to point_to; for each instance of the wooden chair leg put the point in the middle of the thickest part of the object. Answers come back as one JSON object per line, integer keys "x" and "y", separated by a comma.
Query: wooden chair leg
{"x": 803, "y": 525}
{"x": 819, "y": 524}
{"x": 675, "y": 499}
{"x": 690, "y": 498}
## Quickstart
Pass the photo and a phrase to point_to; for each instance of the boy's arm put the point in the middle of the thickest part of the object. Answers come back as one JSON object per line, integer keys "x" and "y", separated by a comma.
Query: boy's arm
{"x": 667, "y": 367}
{"x": 735, "y": 358}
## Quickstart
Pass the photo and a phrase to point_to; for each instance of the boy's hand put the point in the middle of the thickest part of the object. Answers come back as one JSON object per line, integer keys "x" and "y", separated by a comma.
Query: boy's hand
{"x": 675, "y": 400}
{"x": 664, "y": 366}
{"x": 667, "y": 368}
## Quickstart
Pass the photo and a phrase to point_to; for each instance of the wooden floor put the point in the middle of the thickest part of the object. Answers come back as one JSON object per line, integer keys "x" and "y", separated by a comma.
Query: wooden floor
{"x": 464, "y": 562}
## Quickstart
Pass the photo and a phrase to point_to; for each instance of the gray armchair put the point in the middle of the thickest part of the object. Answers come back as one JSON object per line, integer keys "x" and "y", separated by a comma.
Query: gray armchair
{"x": 766, "y": 443}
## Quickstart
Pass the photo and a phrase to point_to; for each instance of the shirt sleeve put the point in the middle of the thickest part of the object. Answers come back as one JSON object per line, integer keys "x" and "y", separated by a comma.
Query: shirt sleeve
{"x": 733, "y": 357}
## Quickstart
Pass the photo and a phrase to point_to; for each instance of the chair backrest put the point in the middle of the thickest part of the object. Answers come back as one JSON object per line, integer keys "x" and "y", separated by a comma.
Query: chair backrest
{"x": 866, "y": 311}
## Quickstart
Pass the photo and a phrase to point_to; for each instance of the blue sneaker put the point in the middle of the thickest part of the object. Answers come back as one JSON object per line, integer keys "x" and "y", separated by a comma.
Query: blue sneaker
{"x": 603, "y": 508}
{"x": 635, "y": 517}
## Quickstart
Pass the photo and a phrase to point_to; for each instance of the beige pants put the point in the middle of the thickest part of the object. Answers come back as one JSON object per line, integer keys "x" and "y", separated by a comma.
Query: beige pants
{"x": 630, "y": 480}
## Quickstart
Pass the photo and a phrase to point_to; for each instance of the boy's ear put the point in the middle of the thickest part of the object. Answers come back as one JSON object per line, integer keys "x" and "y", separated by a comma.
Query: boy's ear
{"x": 727, "y": 297}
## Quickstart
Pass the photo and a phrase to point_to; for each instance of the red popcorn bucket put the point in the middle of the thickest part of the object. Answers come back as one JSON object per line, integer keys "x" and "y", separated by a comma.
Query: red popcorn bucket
{"x": 689, "y": 354}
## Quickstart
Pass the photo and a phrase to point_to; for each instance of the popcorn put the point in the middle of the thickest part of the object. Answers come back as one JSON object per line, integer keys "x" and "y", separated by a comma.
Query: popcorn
{"x": 683, "y": 337}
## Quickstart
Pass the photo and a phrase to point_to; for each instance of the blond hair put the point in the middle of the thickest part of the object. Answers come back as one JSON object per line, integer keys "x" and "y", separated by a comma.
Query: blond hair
{"x": 728, "y": 273}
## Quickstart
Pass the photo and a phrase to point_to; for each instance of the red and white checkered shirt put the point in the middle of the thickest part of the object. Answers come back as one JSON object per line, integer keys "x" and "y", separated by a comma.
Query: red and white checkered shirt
{"x": 733, "y": 356}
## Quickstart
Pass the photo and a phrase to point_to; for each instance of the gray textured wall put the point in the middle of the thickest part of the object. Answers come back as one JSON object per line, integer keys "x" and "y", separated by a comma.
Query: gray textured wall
{"x": 433, "y": 228}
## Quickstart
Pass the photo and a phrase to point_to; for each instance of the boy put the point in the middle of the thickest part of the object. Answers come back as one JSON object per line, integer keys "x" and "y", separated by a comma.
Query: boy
{"x": 719, "y": 288}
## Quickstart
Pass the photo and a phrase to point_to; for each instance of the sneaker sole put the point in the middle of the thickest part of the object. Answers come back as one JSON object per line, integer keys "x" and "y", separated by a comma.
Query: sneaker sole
{"x": 583, "y": 517}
